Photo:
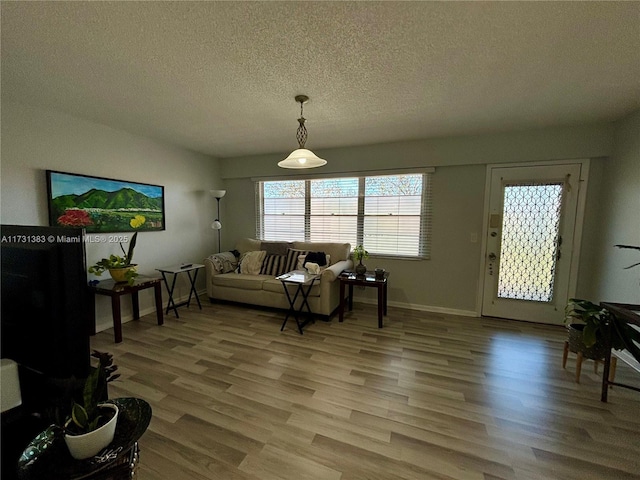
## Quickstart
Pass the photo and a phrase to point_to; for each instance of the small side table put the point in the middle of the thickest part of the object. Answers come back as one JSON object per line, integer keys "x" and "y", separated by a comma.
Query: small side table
{"x": 116, "y": 290}
{"x": 367, "y": 280}
{"x": 300, "y": 279}
{"x": 188, "y": 268}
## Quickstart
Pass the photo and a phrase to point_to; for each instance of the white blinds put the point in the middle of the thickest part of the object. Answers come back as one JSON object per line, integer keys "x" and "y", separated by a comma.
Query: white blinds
{"x": 388, "y": 214}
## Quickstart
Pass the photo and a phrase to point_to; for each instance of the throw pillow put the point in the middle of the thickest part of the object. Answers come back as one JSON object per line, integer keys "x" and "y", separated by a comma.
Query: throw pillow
{"x": 275, "y": 248}
{"x": 251, "y": 262}
{"x": 303, "y": 260}
{"x": 292, "y": 259}
{"x": 273, "y": 265}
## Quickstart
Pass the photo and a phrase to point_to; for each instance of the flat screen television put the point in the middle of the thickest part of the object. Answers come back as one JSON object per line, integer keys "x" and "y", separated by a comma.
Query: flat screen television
{"x": 47, "y": 307}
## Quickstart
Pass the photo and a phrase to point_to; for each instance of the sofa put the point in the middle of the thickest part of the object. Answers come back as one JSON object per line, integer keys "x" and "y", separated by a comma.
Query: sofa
{"x": 248, "y": 275}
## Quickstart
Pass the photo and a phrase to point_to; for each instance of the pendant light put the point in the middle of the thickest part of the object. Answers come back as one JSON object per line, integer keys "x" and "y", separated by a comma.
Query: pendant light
{"x": 301, "y": 157}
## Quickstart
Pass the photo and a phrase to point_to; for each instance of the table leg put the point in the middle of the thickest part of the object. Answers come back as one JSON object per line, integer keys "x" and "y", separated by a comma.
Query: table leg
{"x": 292, "y": 309}
{"x": 341, "y": 305}
{"x": 350, "y": 296}
{"x": 380, "y": 304}
{"x": 157, "y": 290}
{"x": 171, "y": 304}
{"x": 135, "y": 302}
{"x": 192, "y": 291}
{"x": 385, "y": 297}
{"x": 117, "y": 318}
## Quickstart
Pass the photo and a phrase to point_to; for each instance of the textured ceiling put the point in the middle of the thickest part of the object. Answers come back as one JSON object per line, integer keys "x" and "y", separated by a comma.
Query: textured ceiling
{"x": 220, "y": 77}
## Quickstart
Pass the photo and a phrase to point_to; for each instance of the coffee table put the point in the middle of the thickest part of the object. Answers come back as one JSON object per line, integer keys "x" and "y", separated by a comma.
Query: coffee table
{"x": 366, "y": 280}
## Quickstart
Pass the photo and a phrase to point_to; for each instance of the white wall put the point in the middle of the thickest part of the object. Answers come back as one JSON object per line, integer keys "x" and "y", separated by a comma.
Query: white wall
{"x": 448, "y": 282}
{"x": 617, "y": 221}
{"x": 34, "y": 140}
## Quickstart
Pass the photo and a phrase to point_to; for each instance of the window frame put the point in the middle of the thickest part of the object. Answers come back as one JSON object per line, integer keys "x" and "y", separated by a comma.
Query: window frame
{"x": 426, "y": 206}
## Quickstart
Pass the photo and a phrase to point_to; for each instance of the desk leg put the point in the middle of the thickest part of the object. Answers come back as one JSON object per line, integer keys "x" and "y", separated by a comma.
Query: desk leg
{"x": 135, "y": 302}
{"x": 157, "y": 290}
{"x": 380, "y": 305}
{"x": 341, "y": 307}
{"x": 117, "y": 318}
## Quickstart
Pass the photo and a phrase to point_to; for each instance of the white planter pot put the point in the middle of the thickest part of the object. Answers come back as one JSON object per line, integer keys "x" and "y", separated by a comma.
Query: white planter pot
{"x": 88, "y": 444}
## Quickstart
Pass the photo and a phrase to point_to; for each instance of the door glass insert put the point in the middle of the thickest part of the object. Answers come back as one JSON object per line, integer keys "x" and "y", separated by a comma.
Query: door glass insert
{"x": 529, "y": 247}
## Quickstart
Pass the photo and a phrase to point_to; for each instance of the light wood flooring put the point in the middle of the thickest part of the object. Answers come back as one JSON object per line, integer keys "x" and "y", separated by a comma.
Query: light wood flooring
{"x": 429, "y": 396}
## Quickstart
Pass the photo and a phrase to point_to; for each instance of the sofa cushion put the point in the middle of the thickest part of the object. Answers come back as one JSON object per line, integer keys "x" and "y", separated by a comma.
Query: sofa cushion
{"x": 273, "y": 265}
{"x": 275, "y": 248}
{"x": 251, "y": 262}
{"x": 241, "y": 280}
{"x": 338, "y": 251}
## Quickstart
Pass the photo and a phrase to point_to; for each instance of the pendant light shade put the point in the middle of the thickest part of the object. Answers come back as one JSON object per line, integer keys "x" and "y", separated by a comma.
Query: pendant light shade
{"x": 301, "y": 157}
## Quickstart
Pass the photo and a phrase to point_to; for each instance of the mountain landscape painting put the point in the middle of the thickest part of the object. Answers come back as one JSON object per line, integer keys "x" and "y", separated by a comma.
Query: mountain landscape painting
{"x": 102, "y": 205}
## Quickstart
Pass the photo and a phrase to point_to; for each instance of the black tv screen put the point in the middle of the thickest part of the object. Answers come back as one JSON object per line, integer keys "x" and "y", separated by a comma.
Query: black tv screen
{"x": 47, "y": 308}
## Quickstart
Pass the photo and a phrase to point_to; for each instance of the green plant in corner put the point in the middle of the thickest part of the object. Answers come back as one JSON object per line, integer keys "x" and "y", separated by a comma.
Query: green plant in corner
{"x": 86, "y": 417}
{"x": 596, "y": 319}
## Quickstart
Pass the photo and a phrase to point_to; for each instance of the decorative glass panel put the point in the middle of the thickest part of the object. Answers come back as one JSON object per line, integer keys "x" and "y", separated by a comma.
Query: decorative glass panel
{"x": 529, "y": 249}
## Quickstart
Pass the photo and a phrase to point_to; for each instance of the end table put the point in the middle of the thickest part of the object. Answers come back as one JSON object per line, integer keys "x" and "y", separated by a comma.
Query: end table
{"x": 116, "y": 290}
{"x": 366, "y": 280}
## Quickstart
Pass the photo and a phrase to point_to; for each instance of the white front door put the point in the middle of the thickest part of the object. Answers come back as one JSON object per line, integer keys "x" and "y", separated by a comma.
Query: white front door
{"x": 530, "y": 241}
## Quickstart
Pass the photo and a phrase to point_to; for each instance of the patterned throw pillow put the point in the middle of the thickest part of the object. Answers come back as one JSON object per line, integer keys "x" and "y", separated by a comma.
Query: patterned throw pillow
{"x": 273, "y": 265}
{"x": 292, "y": 259}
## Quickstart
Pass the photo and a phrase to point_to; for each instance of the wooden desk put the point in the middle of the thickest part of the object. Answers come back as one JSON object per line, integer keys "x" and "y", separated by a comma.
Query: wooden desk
{"x": 628, "y": 313}
{"x": 367, "y": 280}
{"x": 116, "y": 290}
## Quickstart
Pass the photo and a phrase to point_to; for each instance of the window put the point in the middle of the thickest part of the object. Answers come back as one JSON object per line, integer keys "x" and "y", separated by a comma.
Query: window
{"x": 388, "y": 214}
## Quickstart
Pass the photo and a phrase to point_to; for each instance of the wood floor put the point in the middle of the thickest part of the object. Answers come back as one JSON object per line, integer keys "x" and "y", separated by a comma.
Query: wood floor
{"x": 429, "y": 396}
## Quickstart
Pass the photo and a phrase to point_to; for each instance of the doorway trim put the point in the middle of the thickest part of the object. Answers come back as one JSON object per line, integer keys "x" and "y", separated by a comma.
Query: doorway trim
{"x": 577, "y": 231}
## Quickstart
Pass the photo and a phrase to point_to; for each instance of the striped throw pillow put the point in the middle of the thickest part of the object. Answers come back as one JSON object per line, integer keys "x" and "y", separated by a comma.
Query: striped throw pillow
{"x": 273, "y": 265}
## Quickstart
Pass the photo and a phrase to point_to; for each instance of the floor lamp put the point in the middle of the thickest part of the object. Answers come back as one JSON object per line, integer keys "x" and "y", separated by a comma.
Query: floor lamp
{"x": 216, "y": 225}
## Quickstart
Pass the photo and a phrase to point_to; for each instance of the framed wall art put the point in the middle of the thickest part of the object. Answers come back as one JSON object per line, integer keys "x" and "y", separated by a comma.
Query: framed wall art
{"x": 104, "y": 204}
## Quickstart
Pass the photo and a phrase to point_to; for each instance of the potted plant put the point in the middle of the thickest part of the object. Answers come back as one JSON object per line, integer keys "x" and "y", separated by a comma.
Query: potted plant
{"x": 588, "y": 337}
{"x": 359, "y": 253}
{"x": 120, "y": 268}
{"x": 92, "y": 423}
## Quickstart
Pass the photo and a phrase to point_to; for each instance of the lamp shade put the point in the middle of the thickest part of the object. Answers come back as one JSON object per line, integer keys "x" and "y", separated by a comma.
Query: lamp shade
{"x": 217, "y": 193}
{"x": 302, "y": 158}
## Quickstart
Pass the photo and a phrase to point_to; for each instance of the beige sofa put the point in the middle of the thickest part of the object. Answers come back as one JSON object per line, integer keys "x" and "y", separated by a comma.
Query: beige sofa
{"x": 264, "y": 290}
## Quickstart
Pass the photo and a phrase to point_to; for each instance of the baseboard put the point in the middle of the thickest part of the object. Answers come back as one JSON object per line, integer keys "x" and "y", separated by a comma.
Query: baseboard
{"x": 202, "y": 294}
{"x": 424, "y": 308}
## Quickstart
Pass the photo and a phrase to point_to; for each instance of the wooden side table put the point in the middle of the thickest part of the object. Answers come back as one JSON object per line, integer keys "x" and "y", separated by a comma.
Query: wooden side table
{"x": 116, "y": 290}
{"x": 367, "y": 280}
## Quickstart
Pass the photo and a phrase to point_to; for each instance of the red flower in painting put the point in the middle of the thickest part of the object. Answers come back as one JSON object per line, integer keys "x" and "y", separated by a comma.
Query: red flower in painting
{"x": 75, "y": 218}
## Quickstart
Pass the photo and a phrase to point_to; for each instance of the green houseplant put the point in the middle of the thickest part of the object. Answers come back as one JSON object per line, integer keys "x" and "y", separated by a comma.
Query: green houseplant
{"x": 594, "y": 321}
{"x": 359, "y": 253}
{"x": 120, "y": 268}
{"x": 91, "y": 425}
